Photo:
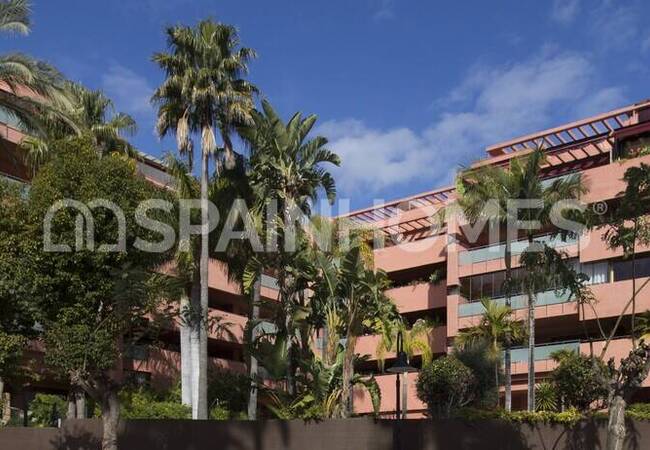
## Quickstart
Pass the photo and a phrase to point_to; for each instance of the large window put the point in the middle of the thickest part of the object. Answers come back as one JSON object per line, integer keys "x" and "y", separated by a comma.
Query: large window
{"x": 623, "y": 269}
{"x": 490, "y": 285}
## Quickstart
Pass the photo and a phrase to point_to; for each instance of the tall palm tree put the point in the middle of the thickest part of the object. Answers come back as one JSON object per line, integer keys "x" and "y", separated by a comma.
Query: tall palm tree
{"x": 285, "y": 168}
{"x": 204, "y": 91}
{"x": 495, "y": 187}
{"x": 496, "y": 327}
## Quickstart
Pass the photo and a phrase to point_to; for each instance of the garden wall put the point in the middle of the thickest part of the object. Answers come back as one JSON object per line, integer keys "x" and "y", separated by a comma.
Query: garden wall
{"x": 353, "y": 434}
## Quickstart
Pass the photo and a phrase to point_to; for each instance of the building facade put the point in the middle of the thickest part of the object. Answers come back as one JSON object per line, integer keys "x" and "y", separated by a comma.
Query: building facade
{"x": 600, "y": 148}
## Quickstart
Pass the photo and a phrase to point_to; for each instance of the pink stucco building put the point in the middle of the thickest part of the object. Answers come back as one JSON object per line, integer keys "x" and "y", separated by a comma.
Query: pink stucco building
{"x": 469, "y": 269}
{"x": 601, "y": 148}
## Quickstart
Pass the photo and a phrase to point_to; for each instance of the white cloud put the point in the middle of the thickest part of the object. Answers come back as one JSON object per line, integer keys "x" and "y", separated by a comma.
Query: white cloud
{"x": 384, "y": 10}
{"x": 492, "y": 104}
{"x": 564, "y": 11}
{"x": 130, "y": 92}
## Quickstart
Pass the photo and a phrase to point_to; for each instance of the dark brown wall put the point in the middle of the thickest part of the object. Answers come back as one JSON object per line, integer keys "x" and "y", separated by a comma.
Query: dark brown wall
{"x": 353, "y": 434}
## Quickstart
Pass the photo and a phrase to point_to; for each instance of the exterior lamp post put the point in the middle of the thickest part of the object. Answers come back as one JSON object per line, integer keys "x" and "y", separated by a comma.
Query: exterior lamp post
{"x": 401, "y": 366}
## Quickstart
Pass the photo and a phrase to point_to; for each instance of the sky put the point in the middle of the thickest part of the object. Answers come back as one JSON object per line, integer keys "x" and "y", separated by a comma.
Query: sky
{"x": 407, "y": 91}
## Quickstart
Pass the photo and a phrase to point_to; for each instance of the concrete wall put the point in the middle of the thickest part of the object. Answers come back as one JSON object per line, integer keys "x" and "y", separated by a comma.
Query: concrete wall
{"x": 353, "y": 434}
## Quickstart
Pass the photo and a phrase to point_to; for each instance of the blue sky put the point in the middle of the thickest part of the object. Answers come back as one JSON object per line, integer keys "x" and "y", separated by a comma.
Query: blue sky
{"x": 406, "y": 90}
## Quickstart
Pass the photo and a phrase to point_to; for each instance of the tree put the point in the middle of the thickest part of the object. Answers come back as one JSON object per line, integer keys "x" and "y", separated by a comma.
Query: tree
{"x": 625, "y": 227}
{"x": 92, "y": 304}
{"x": 93, "y": 114}
{"x": 497, "y": 327}
{"x": 578, "y": 379}
{"x": 286, "y": 174}
{"x": 416, "y": 338}
{"x": 357, "y": 294}
{"x": 17, "y": 317}
{"x": 34, "y": 93}
{"x": 204, "y": 91}
{"x": 445, "y": 385}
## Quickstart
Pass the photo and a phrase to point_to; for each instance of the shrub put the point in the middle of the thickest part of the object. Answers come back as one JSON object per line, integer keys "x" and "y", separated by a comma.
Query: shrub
{"x": 578, "y": 379}
{"x": 144, "y": 404}
{"x": 228, "y": 391}
{"x": 46, "y": 409}
{"x": 546, "y": 398}
{"x": 445, "y": 385}
{"x": 568, "y": 417}
{"x": 480, "y": 360}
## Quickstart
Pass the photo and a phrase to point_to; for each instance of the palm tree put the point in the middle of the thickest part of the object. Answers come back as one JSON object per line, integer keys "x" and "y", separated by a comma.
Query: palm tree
{"x": 203, "y": 91}
{"x": 32, "y": 93}
{"x": 496, "y": 327}
{"x": 527, "y": 172}
{"x": 416, "y": 339}
{"x": 357, "y": 293}
{"x": 94, "y": 115}
{"x": 285, "y": 169}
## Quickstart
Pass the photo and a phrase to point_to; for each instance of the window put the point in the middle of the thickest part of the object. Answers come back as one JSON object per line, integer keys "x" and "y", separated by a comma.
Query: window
{"x": 597, "y": 273}
{"x": 623, "y": 268}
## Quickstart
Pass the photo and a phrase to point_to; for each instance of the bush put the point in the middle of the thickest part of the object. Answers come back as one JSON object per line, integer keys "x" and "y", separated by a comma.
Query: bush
{"x": 568, "y": 417}
{"x": 46, "y": 409}
{"x": 445, "y": 385}
{"x": 638, "y": 411}
{"x": 477, "y": 357}
{"x": 546, "y": 398}
{"x": 578, "y": 380}
{"x": 144, "y": 404}
{"x": 228, "y": 395}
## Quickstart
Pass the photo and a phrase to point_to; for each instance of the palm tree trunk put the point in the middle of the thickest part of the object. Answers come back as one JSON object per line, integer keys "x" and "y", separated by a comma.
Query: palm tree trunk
{"x": 348, "y": 373}
{"x": 290, "y": 379}
{"x": 507, "y": 357}
{"x": 255, "y": 314}
{"x": 531, "y": 351}
{"x": 200, "y": 337}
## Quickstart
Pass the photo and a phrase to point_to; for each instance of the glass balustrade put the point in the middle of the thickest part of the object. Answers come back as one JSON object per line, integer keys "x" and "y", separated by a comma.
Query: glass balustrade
{"x": 492, "y": 252}
{"x": 516, "y": 302}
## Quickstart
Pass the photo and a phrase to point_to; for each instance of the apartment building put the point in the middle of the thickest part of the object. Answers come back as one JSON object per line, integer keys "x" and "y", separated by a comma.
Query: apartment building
{"x": 601, "y": 148}
{"x": 159, "y": 364}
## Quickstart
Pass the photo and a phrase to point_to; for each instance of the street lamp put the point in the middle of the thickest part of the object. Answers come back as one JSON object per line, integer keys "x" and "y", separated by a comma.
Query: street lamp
{"x": 401, "y": 366}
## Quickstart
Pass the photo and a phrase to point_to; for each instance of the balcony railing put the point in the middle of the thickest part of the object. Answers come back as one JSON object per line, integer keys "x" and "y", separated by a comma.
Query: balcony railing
{"x": 544, "y": 351}
{"x": 516, "y": 302}
{"x": 492, "y": 252}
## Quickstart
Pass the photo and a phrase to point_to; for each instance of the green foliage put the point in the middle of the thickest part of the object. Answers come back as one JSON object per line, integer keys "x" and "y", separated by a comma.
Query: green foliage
{"x": 228, "y": 394}
{"x": 144, "y": 404}
{"x": 578, "y": 379}
{"x": 638, "y": 411}
{"x": 446, "y": 385}
{"x": 45, "y": 409}
{"x": 546, "y": 397}
{"x": 569, "y": 417}
{"x": 483, "y": 363}
{"x": 89, "y": 300}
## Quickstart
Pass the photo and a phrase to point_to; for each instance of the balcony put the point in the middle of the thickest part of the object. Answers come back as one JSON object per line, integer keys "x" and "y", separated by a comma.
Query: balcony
{"x": 612, "y": 297}
{"x": 412, "y": 254}
{"x": 497, "y": 252}
{"x": 367, "y": 345}
{"x": 516, "y": 302}
{"x": 543, "y": 361}
{"x": 164, "y": 366}
{"x": 419, "y": 297}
